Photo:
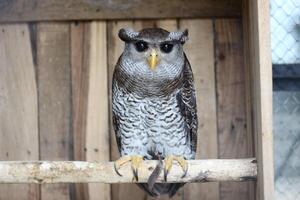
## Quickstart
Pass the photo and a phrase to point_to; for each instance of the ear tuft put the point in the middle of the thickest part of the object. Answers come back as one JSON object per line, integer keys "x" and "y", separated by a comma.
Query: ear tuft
{"x": 181, "y": 36}
{"x": 127, "y": 34}
{"x": 185, "y": 36}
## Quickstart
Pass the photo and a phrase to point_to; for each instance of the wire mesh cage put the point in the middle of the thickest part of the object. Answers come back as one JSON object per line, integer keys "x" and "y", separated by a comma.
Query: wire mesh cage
{"x": 55, "y": 97}
{"x": 285, "y": 35}
{"x": 285, "y": 31}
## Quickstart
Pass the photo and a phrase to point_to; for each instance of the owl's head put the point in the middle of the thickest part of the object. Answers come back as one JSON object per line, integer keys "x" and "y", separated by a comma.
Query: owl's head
{"x": 153, "y": 56}
{"x": 154, "y": 47}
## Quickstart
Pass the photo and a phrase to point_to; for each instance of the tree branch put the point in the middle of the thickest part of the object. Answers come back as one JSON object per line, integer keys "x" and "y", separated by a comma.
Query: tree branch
{"x": 103, "y": 172}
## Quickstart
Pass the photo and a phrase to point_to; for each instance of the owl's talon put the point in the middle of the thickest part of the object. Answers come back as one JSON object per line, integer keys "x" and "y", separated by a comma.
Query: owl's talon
{"x": 135, "y": 174}
{"x": 165, "y": 175}
{"x": 169, "y": 163}
{"x": 116, "y": 170}
{"x": 135, "y": 161}
{"x": 184, "y": 171}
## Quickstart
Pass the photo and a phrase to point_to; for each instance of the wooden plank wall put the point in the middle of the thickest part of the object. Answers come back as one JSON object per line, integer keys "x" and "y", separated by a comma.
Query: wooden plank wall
{"x": 55, "y": 100}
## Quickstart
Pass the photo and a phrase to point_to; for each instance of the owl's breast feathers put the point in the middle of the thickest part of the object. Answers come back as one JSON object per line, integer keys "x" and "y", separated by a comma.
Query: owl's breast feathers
{"x": 135, "y": 118}
{"x": 168, "y": 121}
{"x": 146, "y": 85}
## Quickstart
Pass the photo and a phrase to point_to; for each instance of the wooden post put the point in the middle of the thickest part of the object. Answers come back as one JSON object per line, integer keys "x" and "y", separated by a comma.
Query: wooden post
{"x": 257, "y": 40}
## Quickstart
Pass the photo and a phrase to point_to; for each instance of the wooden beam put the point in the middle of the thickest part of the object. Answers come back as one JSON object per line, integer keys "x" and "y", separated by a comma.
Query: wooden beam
{"x": 103, "y": 172}
{"x": 34, "y": 10}
{"x": 256, "y": 17}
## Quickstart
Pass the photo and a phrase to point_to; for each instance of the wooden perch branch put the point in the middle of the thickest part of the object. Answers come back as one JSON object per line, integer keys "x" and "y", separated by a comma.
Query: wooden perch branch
{"x": 84, "y": 172}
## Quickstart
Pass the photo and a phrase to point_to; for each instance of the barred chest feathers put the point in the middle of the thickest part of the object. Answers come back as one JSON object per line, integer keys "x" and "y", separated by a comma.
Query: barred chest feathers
{"x": 149, "y": 126}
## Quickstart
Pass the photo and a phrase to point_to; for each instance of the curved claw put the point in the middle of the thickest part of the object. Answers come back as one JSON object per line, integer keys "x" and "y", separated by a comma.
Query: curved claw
{"x": 135, "y": 163}
{"x": 183, "y": 164}
{"x": 165, "y": 175}
{"x": 121, "y": 161}
{"x": 168, "y": 166}
{"x": 184, "y": 171}
{"x": 169, "y": 162}
{"x": 117, "y": 170}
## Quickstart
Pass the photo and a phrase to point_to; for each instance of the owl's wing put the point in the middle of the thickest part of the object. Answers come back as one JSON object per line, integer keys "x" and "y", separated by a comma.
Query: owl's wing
{"x": 186, "y": 99}
{"x": 115, "y": 118}
{"x": 116, "y": 125}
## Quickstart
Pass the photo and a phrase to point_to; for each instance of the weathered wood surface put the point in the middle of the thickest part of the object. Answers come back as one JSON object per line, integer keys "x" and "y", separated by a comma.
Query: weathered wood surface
{"x": 104, "y": 172}
{"x": 54, "y": 98}
{"x": 248, "y": 93}
{"x": 257, "y": 29}
{"x": 231, "y": 100}
{"x": 97, "y": 127}
{"x": 34, "y": 10}
{"x": 200, "y": 52}
{"x": 80, "y": 80}
{"x": 18, "y": 106}
{"x": 90, "y": 109}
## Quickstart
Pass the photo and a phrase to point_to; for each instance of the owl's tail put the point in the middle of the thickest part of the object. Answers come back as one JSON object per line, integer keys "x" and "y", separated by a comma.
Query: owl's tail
{"x": 157, "y": 189}
{"x": 161, "y": 188}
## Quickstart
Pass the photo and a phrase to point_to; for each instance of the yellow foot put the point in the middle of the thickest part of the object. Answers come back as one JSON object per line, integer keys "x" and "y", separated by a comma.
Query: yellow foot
{"x": 135, "y": 161}
{"x": 169, "y": 162}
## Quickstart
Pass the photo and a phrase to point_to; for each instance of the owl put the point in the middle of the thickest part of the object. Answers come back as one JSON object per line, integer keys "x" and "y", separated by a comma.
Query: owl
{"x": 154, "y": 103}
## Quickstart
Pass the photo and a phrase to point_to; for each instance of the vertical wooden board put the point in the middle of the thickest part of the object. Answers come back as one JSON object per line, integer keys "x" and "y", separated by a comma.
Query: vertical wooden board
{"x": 115, "y": 48}
{"x": 54, "y": 97}
{"x": 97, "y": 129}
{"x": 248, "y": 90}
{"x": 18, "y": 106}
{"x": 168, "y": 24}
{"x": 80, "y": 78}
{"x": 200, "y": 52}
{"x": 256, "y": 16}
{"x": 90, "y": 100}
{"x": 231, "y": 105}
{"x": 80, "y": 71}
{"x": 141, "y": 24}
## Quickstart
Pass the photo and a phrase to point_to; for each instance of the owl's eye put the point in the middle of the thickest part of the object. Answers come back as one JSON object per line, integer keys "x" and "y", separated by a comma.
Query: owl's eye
{"x": 141, "y": 46}
{"x": 166, "y": 47}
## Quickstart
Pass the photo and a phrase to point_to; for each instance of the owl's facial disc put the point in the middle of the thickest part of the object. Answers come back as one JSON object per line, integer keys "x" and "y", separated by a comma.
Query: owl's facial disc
{"x": 153, "y": 59}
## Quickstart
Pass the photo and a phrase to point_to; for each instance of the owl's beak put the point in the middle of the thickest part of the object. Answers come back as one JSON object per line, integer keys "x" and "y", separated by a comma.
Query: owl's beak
{"x": 153, "y": 59}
